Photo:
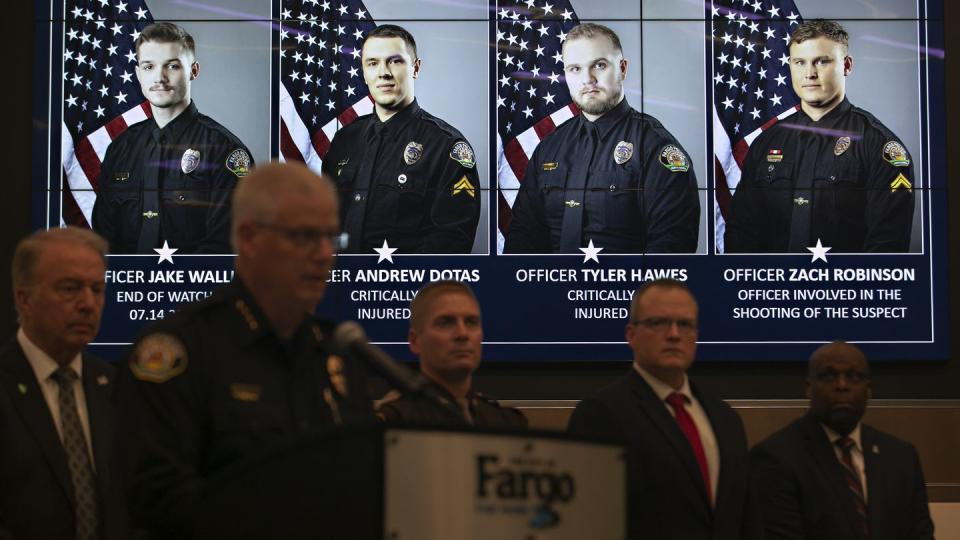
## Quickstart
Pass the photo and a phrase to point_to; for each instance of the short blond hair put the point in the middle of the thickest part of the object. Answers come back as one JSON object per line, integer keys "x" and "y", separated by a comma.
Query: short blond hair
{"x": 255, "y": 197}
{"x": 592, "y": 30}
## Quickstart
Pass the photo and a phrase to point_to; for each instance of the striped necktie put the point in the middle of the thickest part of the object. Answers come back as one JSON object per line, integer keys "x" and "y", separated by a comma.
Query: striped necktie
{"x": 852, "y": 478}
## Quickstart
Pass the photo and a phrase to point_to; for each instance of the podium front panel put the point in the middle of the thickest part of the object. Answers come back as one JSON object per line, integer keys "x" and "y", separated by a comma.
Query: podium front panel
{"x": 443, "y": 485}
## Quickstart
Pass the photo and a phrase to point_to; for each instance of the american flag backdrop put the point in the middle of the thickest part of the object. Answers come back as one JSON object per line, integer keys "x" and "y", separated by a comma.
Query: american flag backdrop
{"x": 101, "y": 96}
{"x": 532, "y": 97}
{"x": 751, "y": 83}
{"x": 322, "y": 85}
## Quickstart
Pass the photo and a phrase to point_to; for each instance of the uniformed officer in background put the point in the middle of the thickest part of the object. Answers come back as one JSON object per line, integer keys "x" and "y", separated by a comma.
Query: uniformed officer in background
{"x": 404, "y": 176}
{"x": 611, "y": 175}
{"x": 830, "y": 173}
{"x": 169, "y": 177}
{"x": 447, "y": 334}
{"x": 249, "y": 367}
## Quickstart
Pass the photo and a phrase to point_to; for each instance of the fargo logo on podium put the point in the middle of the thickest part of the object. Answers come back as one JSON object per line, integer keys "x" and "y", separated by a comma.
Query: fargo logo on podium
{"x": 525, "y": 485}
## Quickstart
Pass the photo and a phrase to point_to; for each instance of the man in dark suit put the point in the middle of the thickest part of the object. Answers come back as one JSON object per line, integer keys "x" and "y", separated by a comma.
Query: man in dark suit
{"x": 57, "y": 454}
{"x": 688, "y": 465}
{"x": 828, "y": 476}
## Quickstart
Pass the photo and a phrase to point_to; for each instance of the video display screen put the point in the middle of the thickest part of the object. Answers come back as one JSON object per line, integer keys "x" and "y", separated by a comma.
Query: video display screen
{"x": 556, "y": 155}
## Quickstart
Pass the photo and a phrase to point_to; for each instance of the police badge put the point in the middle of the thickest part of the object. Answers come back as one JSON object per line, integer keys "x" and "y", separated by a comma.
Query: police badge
{"x": 623, "y": 152}
{"x": 895, "y": 154}
{"x": 189, "y": 161}
{"x": 842, "y": 144}
{"x": 463, "y": 154}
{"x": 158, "y": 358}
{"x": 238, "y": 162}
{"x": 412, "y": 153}
{"x": 674, "y": 159}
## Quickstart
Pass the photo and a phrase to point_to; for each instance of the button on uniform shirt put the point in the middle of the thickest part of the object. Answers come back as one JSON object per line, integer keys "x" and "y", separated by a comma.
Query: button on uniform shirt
{"x": 411, "y": 181}
{"x": 856, "y": 453}
{"x": 846, "y": 180}
{"x": 44, "y": 367}
{"x": 639, "y": 193}
{"x": 707, "y": 438}
{"x": 213, "y": 384}
{"x": 172, "y": 183}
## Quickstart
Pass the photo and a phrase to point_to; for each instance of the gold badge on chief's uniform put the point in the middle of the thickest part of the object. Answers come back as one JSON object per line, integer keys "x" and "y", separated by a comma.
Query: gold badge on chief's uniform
{"x": 673, "y": 158}
{"x": 412, "y": 153}
{"x": 248, "y": 393}
{"x": 238, "y": 162}
{"x": 775, "y": 155}
{"x": 337, "y": 377}
{"x": 189, "y": 160}
{"x": 464, "y": 185}
{"x": 895, "y": 154}
{"x": 340, "y": 165}
{"x": 550, "y": 165}
{"x": 842, "y": 144}
{"x": 622, "y": 152}
{"x": 463, "y": 154}
{"x": 158, "y": 358}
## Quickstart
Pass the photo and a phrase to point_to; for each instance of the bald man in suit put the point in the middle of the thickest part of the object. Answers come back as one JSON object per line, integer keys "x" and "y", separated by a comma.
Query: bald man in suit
{"x": 828, "y": 476}
{"x": 58, "y": 478}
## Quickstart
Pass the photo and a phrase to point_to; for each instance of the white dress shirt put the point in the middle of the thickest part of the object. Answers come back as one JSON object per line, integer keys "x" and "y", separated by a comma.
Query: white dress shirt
{"x": 856, "y": 453}
{"x": 43, "y": 367}
{"x": 700, "y": 420}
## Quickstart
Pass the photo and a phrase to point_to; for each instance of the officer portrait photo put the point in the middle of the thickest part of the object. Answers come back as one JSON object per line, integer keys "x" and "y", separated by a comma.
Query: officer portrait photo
{"x": 843, "y": 171}
{"x": 407, "y": 176}
{"x": 160, "y": 121}
{"x": 625, "y": 172}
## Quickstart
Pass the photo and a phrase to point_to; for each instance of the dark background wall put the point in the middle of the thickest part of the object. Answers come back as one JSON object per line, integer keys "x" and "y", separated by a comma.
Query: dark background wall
{"x": 730, "y": 380}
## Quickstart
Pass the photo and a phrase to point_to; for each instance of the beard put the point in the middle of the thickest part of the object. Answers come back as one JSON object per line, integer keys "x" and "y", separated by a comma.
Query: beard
{"x": 598, "y": 106}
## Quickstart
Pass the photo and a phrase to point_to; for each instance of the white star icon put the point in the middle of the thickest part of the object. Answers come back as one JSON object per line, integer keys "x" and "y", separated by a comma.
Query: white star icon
{"x": 385, "y": 252}
{"x": 590, "y": 252}
{"x": 166, "y": 253}
{"x": 819, "y": 251}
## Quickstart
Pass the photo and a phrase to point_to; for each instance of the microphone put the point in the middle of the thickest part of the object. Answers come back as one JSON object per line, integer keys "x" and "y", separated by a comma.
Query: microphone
{"x": 350, "y": 338}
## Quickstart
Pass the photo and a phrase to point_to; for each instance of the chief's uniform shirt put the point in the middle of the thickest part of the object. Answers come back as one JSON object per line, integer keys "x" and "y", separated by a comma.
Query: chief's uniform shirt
{"x": 622, "y": 181}
{"x": 845, "y": 180}
{"x": 170, "y": 184}
{"x": 44, "y": 367}
{"x": 700, "y": 419}
{"x": 411, "y": 181}
{"x": 475, "y": 409}
{"x": 856, "y": 453}
{"x": 213, "y": 384}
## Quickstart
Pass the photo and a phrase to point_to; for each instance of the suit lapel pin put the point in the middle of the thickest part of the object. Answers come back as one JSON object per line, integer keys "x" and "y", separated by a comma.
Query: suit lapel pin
{"x": 102, "y": 380}
{"x": 22, "y": 388}
{"x": 875, "y": 449}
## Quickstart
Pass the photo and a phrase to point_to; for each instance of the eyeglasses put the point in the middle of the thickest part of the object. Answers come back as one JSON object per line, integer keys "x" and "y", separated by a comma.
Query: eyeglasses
{"x": 306, "y": 239}
{"x": 852, "y": 377}
{"x": 664, "y": 324}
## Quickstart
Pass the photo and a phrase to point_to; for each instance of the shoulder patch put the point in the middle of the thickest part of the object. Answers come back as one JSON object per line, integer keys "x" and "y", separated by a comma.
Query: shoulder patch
{"x": 238, "y": 162}
{"x": 158, "y": 358}
{"x": 895, "y": 154}
{"x": 673, "y": 158}
{"x": 463, "y": 154}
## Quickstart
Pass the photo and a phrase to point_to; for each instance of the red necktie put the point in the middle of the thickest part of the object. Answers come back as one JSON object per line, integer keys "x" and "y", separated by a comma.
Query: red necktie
{"x": 689, "y": 429}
